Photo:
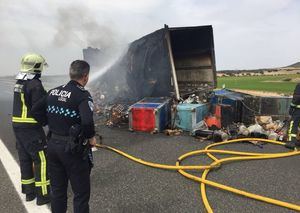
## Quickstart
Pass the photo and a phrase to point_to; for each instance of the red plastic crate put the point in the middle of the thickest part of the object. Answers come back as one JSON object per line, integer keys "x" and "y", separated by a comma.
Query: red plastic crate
{"x": 148, "y": 116}
{"x": 143, "y": 119}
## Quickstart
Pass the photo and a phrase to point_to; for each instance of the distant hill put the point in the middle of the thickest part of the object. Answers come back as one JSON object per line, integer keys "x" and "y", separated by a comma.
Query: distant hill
{"x": 295, "y": 65}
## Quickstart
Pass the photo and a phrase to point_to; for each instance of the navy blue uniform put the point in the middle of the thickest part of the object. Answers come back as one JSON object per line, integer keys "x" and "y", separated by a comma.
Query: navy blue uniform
{"x": 68, "y": 105}
{"x": 30, "y": 138}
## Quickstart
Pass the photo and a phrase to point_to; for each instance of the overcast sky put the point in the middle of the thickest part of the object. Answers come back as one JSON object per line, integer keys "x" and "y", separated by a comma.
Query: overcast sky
{"x": 247, "y": 33}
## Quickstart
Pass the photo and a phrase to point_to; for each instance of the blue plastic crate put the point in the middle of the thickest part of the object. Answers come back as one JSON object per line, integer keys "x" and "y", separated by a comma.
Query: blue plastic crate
{"x": 187, "y": 116}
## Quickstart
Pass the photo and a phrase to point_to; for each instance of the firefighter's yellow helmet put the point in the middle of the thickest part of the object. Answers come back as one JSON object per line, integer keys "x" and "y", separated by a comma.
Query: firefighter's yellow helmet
{"x": 32, "y": 63}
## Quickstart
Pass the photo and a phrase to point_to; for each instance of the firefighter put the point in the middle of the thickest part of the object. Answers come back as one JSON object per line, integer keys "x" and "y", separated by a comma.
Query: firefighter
{"x": 30, "y": 136}
{"x": 294, "y": 112}
{"x": 70, "y": 121}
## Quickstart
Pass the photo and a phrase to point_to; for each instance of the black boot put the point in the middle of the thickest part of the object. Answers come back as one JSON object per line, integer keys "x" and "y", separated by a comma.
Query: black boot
{"x": 290, "y": 144}
{"x": 30, "y": 197}
{"x": 42, "y": 200}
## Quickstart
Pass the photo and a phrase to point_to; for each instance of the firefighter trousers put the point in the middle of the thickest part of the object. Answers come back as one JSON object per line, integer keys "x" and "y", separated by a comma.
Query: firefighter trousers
{"x": 31, "y": 146}
{"x": 65, "y": 166}
{"x": 294, "y": 124}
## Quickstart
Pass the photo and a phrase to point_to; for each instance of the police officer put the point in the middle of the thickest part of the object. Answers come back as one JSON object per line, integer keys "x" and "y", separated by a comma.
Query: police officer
{"x": 68, "y": 107}
{"x": 295, "y": 120}
{"x": 30, "y": 137}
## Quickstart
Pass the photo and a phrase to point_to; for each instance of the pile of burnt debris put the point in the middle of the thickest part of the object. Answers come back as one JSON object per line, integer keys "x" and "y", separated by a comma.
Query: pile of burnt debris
{"x": 220, "y": 116}
{"x": 110, "y": 114}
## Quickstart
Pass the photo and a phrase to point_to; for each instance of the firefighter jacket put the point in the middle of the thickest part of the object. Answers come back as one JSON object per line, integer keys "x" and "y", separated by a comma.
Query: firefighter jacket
{"x": 26, "y": 94}
{"x": 296, "y": 97}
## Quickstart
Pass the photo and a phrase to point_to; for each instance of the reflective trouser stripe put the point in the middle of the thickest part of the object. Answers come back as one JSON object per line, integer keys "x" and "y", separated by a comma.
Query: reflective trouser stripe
{"x": 290, "y": 135}
{"x": 43, "y": 184}
{"x": 295, "y": 106}
{"x": 28, "y": 181}
{"x": 23, "y": 118}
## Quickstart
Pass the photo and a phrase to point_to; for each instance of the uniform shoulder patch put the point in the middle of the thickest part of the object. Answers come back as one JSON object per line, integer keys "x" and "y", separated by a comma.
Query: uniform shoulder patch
{"x": 91, "y": 105}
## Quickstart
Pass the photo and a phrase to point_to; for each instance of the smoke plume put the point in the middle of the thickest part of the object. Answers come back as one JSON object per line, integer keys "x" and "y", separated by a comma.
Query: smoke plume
{"x": 77, "y": 24}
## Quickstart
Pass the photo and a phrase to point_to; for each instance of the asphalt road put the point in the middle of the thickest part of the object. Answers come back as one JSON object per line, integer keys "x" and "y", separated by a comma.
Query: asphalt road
{"x": 120, "y": 185}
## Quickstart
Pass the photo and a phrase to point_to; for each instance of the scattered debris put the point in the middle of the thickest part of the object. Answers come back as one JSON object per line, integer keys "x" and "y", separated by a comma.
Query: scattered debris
{"x": 256, "y": 130}
{"x": 273, "y": 136}
{"x": 243, "y": 131}
{"x": 173, "y": 132}
{"x": 203, "y": 133}
{"x": 112, "y": 115}
{"x": 219, "y": 136}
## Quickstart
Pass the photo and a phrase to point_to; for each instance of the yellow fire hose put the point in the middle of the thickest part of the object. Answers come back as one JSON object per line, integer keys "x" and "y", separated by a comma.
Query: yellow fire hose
{"x": 240, "y": 156}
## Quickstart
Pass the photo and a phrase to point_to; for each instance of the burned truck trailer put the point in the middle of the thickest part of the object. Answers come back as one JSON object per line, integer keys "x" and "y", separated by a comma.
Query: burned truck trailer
{"x": 173, "y": 62}
{"x": 192, "y": 51}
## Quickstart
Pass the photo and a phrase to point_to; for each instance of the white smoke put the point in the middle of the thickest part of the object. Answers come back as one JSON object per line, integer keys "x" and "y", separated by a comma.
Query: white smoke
{"x": 114, "y": 58}
{"x": 77, "y": 24}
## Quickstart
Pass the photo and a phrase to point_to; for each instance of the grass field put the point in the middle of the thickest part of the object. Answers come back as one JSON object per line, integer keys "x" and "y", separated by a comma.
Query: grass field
{"x": 260, "y": 83}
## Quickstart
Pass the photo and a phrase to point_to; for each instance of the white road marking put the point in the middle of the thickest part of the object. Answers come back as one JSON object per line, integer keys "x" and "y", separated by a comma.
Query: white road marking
{"x": 13, "y": 170}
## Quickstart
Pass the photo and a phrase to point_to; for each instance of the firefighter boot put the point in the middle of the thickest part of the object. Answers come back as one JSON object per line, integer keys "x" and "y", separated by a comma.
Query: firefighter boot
{"x": 42, "y": 200}
{"x": 30, "y": 197}
{"x": 291, "y": 144}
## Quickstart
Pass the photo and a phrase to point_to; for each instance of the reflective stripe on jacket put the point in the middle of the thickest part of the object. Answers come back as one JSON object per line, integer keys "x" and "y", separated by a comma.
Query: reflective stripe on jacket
{"x": 25, "y": 94}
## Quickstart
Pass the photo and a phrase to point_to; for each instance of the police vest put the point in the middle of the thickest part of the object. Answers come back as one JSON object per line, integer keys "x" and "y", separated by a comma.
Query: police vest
{"x": 20, "y": 109}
